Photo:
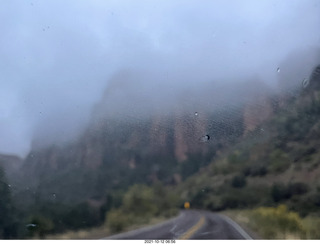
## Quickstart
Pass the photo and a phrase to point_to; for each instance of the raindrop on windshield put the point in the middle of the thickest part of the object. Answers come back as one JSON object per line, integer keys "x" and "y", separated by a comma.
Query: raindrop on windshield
{"x": 278, "y": 70}
{"x": 305, "y": 83}
{"x": 205, "y": 138}
{"x": 196, "y": 113}
{"x": 31, "y": 225}
{"x": 54, "y": 196}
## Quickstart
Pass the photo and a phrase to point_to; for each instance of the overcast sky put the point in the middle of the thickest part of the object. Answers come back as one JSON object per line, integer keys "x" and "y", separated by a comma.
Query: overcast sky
{"x": 56, "y": 56}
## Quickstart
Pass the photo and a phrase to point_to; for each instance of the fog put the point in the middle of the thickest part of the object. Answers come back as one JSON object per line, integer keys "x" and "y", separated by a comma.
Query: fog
{"x": 57, "y": 57}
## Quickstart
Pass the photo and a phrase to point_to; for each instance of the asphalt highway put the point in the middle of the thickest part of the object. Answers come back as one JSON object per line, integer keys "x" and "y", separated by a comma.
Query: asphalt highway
{"x": 190, "y": 224}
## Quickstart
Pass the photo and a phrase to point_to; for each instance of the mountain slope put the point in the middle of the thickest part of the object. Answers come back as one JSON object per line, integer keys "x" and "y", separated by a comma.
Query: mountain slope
{"x": 135, "y": 138}
{"x": 277, "y": 163}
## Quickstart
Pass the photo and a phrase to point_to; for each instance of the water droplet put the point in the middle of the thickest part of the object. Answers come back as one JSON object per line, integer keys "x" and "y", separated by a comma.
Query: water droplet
{"x": 9, "y": 185}
{"x": 54, "y": 196}
{"x": 196, "y": 113}
{"x": 31, "y": 225}
{"x": 305, "y": 83}
{"x": 278, "y": 70}
{"x": 205, "y": 138}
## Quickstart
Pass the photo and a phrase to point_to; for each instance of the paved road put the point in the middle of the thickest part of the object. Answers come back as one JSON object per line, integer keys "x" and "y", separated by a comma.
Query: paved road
{"x": 190, "y": 224}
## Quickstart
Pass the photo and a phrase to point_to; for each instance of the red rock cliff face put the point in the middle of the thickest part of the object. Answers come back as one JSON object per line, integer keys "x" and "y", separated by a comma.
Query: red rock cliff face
{"x": 159, "y": 133}
{"x": 188, "y": 129}
{"x": 125, "y": 122}
{"x": 257, "y": 113}
{"x": 180, "y": 140}
{"x": 10, "y": 164}
{"x": 258, "y": 107}
{"x": 92, "y": 153}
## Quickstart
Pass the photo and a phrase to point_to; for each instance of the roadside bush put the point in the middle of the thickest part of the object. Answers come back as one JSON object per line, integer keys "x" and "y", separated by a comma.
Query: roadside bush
{"x": 140, "y": 203}
{"x": 40, "y": 226}
{"x": 140, "y": 200}
{"x": 308, "y": 204}
{"x": 81, "y": 216}
{"x": 276, "y": 223}
{"x": 240, "y": 198}
{"x": 117, "y": 220}
{"x": 281, "y": 192}
{"x": 311, "y": 224}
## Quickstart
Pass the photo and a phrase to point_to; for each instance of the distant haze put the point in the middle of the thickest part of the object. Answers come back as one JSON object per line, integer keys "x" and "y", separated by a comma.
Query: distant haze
{"x": 57, "y": 57}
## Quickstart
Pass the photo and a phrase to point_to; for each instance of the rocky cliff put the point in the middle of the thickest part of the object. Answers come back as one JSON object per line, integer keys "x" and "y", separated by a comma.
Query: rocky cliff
{"x": 135, "y": 136}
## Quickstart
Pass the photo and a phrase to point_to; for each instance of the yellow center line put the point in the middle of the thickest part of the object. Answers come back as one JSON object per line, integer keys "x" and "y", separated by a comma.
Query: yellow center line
{"x": 192, "y": 230}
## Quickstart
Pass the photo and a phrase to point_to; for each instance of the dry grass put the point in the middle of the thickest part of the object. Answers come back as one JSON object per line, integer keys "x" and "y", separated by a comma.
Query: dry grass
{"x": 260, "y": 227}
{"x": 86, "y": 234}
{"x": 98, "y": 232}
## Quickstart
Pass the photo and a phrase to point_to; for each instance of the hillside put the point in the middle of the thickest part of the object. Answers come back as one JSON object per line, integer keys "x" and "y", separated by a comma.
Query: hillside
{"x": 131, "y": 141}
{"x": 258, "y": 149}
{"x": 278, "y": 163}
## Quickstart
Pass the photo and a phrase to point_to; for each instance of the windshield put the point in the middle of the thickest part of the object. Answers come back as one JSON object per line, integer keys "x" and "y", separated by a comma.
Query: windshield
{"x": 116, "y": 115}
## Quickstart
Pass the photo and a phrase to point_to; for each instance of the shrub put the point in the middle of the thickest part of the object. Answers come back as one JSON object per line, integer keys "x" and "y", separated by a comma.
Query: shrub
{"x": 279, "y": 192}
{"x": 140, "y": 203}
{"x": 311, "y": 224}
{"x": 279, "y": 161}
{"x": 40, "y": 226}
{"x": 255, "y": 170}
{"x": 297, "y": 188}
{"x": 239, "y": 198}
{"x": 238, "y": 181}
{"x": 117, "y": 220}
{"x": 277, "y": 222}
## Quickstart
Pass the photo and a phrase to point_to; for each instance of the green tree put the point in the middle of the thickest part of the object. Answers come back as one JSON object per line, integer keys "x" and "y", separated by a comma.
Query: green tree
{"x": 279, "y": 161}
{"x": 238, "y": 181}
{"x": 140, "y": 200}
{"x": 8, "y": 227}
{"x": 40, "y": 226}
{"x": 280, "y": 192}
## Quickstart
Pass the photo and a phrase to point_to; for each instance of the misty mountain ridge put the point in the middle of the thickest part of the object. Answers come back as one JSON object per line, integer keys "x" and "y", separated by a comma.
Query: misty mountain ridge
{"x": 138, "y": 131}
{"x": 134, "y": 134}
{"x": 135, "y": 94}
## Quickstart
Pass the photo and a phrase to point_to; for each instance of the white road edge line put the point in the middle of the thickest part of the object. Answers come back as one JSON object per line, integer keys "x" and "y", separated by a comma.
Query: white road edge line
{"x": 237, "y": 227}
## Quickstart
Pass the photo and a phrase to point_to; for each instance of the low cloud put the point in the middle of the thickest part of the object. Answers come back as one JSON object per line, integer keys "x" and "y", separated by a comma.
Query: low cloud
{"x": 58, "y": 57}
